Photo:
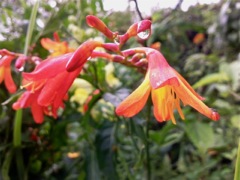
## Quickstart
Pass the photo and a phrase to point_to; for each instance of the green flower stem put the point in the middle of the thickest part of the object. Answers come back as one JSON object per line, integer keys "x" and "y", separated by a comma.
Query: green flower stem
{"x": 17, "y": 128}
{"x": 31, "y": 27}
{"x": 18, "y": 115}
{"x": 19, "y": 163}
{"x": 17, "y": 133}
{"x": 6, "y": 164}
{"x": 148, "y": 163}
{"x": 237, "y": 166}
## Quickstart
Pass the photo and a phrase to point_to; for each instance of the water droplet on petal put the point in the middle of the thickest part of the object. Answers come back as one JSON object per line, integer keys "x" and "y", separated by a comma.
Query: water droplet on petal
{"x": 144, "y": 34}
{"x": 89, "y": 58}
{"x": 21, "y": 69}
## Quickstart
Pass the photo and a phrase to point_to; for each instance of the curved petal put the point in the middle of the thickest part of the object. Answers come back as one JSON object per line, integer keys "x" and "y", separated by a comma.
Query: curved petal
{"x": 22, "y": 101}
{"x": 11, "y": 87}
{"x": 161, "y": 73}
{"x": 135, "y": 101}
{"x": 81, "y": 55}
{"x": 189, "y": 98}
{"x": 188, "y": 85}
{"x": 159, "y": 99}
{"x": 26, "y": 100}
{"x": 56, "y": 88}
{"x": 2, "y": 69}
{"x": 48, "y": 68}
{"x": 48, "y": 43}
{"x": 96, "y": 23}
{"x": 62, "y": 93}
{"x": 6, "y": 60}
{"x": 37, "y": 112}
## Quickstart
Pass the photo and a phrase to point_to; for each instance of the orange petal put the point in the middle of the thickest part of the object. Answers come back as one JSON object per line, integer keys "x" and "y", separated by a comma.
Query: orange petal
{"x": 135, "y": 101}
{"x": 96, "y": 23}
{"x": 1, "y": 74}
{"x": 48, "y": 43}
{"x": 190, "y": 98}
{"x": 37, "y": 112}
{"x": 81, "y": 55}
{"x": 160, "y": 109}
{"x": 188, "y": 85}
{"x": 11, "y": 87}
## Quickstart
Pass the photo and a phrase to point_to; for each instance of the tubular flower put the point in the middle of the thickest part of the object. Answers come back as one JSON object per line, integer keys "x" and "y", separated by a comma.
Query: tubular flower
{"x": 5, "y": 73}
{"x": 30, "y": 100}
{"x": 168, "y": 89}
{"x": 82, "y": 54}
{"x": 53, "y": 82}
{"x": 47, "y": 87}
{"x": 56, "y": 47}
{"x": 96, "y": 23}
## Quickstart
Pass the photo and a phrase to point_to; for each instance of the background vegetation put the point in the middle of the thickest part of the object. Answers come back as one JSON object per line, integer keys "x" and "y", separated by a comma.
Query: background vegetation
{"x": 203, "y": 44}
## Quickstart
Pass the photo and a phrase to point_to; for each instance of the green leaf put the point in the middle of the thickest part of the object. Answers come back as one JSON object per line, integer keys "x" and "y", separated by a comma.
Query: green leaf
{"x": 235, "y": 66}
{"x": 159, "y": 136}
{"x": 105, "y": 154}
{"x": 211, "y": 78}
{"x": 92, "y": 166}
{"x": 235, "y": 120}
{"x": 137, "y": 130}
{"x": 237, "y": 166}
{"x": 201, "y": 135}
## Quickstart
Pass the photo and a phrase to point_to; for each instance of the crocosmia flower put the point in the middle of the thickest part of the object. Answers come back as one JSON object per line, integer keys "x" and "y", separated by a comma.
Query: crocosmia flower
{"x": 167, "y": 88}
{"x": 46, "y": 87}
{"x": 30, "y": 100}
{"x": 5, "y": 72}
{"x": 56, "y": 47}
{"x": 48, "y": 84}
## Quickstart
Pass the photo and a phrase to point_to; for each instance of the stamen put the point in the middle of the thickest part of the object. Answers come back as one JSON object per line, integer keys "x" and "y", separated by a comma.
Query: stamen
{"x": 172, "y": 118}
{"x": 179, "y": 109}
{"x": 26, "y": 85}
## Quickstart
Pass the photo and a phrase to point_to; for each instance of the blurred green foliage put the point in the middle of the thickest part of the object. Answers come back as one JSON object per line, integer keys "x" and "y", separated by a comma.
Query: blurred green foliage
{"x": 98, "y": 144}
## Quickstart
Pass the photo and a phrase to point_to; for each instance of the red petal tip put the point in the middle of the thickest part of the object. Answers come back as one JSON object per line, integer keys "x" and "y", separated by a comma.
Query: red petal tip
{"x": 215, "y": 116}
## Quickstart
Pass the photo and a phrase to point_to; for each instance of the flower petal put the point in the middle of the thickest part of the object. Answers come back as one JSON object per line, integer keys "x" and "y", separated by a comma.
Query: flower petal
{"x": 37, "y": 112}
{"x": 190, "y": 98}
{"x": 2, "y": 69}
{"x": 160, "y": 109}
{"x": 188, "y": 85}
{"x": 81, "y": 55}
{"x": 56, "y": 88}
{"x": 11, "y": 87}
{"x": 135, "y": 101}
{"x": 161, "y": 73}
{"x": 25, "y": 100}
{"x": 48, "y": 68}
{"x": 48, "y": 43}
{"x": 6, "y": 60}
{"x": 96, "y": 23}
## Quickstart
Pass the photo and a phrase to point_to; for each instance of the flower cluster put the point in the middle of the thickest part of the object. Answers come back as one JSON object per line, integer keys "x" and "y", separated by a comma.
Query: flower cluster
{"x": 46, "y": 87}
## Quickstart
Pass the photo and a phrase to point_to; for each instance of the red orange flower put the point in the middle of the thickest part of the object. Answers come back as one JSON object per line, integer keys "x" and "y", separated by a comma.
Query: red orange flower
{"x": 56, "y": 47}
{"x": 168, "y": 89}
{"x": 30, "y": 100}
{"x": 48, "y": 84}
{"x": 46, "y": 87}
{"x": 199, "y": 38}
{"x": 134, "y": 30}
{"x": 5, "y": 72}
